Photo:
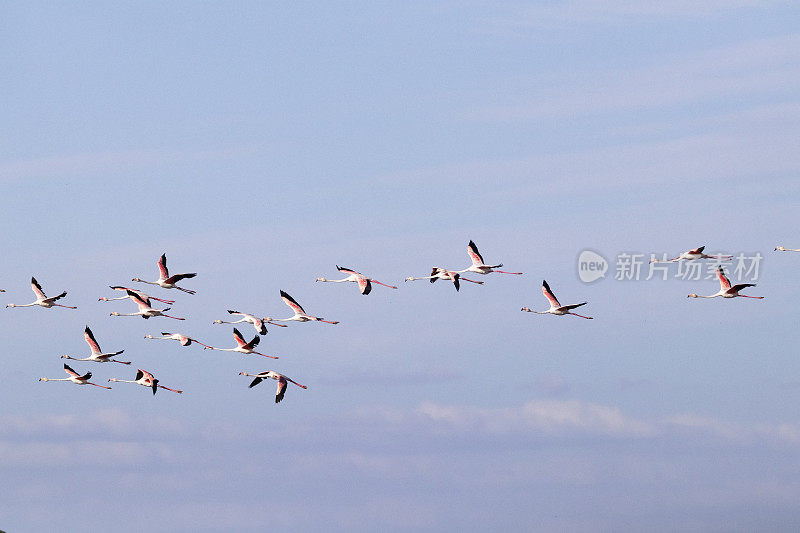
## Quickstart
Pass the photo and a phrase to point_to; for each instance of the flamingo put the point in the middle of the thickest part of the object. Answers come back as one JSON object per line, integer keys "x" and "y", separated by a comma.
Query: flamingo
{"x": 97, "y": 354}
{"x": 75, "y": 378}
{"x": 279, "y": 393}
{"x": 183, "y": 339}
{"x": 478, "y": 266}
{"x": 140, "y": 294}
{"x": 725, "y": 289}
{"x": 41, "y": 299}
{"x": 146, "y": 379}
{"x": 443, "y": 273}
{"x": 364, "y": 283}
{"x": 691, "y": 255}
{"x": 145, "y": 311}
{"x": 299, "y": 314}
{"x": 555, "y": 307}
{"x": 258, "y": 323}
{"x": 782, "y": 249}
{"x": 166, "y": 281}
{"x": 242, "y": 346}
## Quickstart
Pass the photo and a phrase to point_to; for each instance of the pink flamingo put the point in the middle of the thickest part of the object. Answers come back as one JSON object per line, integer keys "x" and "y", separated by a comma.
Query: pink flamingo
{"x": 364, "y": 283}
{"x": 281, "y": 390}
{"x": 691, "y": 255}
{"x": 97, "y": 354}
{"x": 242, "y": 346}
{"x": 725, "y": 289}
{"x": 258, "y": 323}
{"x": 478, "y": 266}
{"x": 299, "y": 314}
{"x": 146, "y": 379}
{"x": 76, "y": 378}
{"x": 555, "y": 307}
{"x": 183, "y": 339}
{"x": 166, "y": 281}
{"x": 140, "y": 294}
{"x": 443, "y": 273}
{"x": 145, "y": 311}
{"x": 41, "y": 299}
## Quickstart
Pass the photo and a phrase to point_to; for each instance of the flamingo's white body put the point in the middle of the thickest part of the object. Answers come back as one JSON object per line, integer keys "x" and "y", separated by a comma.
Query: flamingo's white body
{"x": 41, "y": 299}
{"x": 145, "y": 311}
{"x": 166, "y": 281}
{"x": 478, "y": 266}
{"x": 299, "y": 314}
{"x": 555, "y": 307}
{"x": 691, "y": 255}
{"x": 242, "y": 346}
{"x": 75, "y": 378}
{"x": 146, "y": 379}
{"x": 140, "y": 294}
{"x": 726, "y": 290}
{"x": 97, "y": 354}
{"x": 364, "y": 283}
{"x": 443, "y": 273}
{"x": 782, "y": 249}
{"x": 258, "y": 323}
{"x": 183, "y": 339}
{"x": 280, "y": 378}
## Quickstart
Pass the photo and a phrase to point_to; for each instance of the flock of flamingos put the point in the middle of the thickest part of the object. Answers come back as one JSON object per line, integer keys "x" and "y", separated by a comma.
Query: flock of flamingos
{"x": 165, "y": 281}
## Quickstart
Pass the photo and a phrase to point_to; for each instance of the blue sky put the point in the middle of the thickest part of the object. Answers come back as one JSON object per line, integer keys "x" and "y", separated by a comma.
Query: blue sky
{"x": 262, "y": 144}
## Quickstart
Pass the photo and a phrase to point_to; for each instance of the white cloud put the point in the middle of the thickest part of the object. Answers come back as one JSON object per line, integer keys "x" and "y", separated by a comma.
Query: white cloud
{"x": 549, "y": 417}
{"x": 766, "y": 67}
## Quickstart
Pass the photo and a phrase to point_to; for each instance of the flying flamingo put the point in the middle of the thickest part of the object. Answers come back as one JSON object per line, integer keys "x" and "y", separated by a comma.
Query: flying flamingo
{"x": 272, "y": 375}
{"x": 555, "y": 307}
{"x": 242, "y": 346}
{"x": 76, "y": 378}
{"x": 166, "y": 281}
{"x": 183, "y": 339}
{"x": 478, "y": 266}
{"x": 782, "y": 249}
{"x": 691, "y": 255}
{"x": 140, "y": 294}
{"x": 41, "y": 299}
{"x": 299, "y": 314}
{"x": 725, "y": 289}
{"x": 258, "y": 323}
{"x": 97, "y": 354}
{"x": 146, "y": 379}
{"x": 443, "y": 273}
{"x": 364, "y": 283}
{"x": 145, "y": 311}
